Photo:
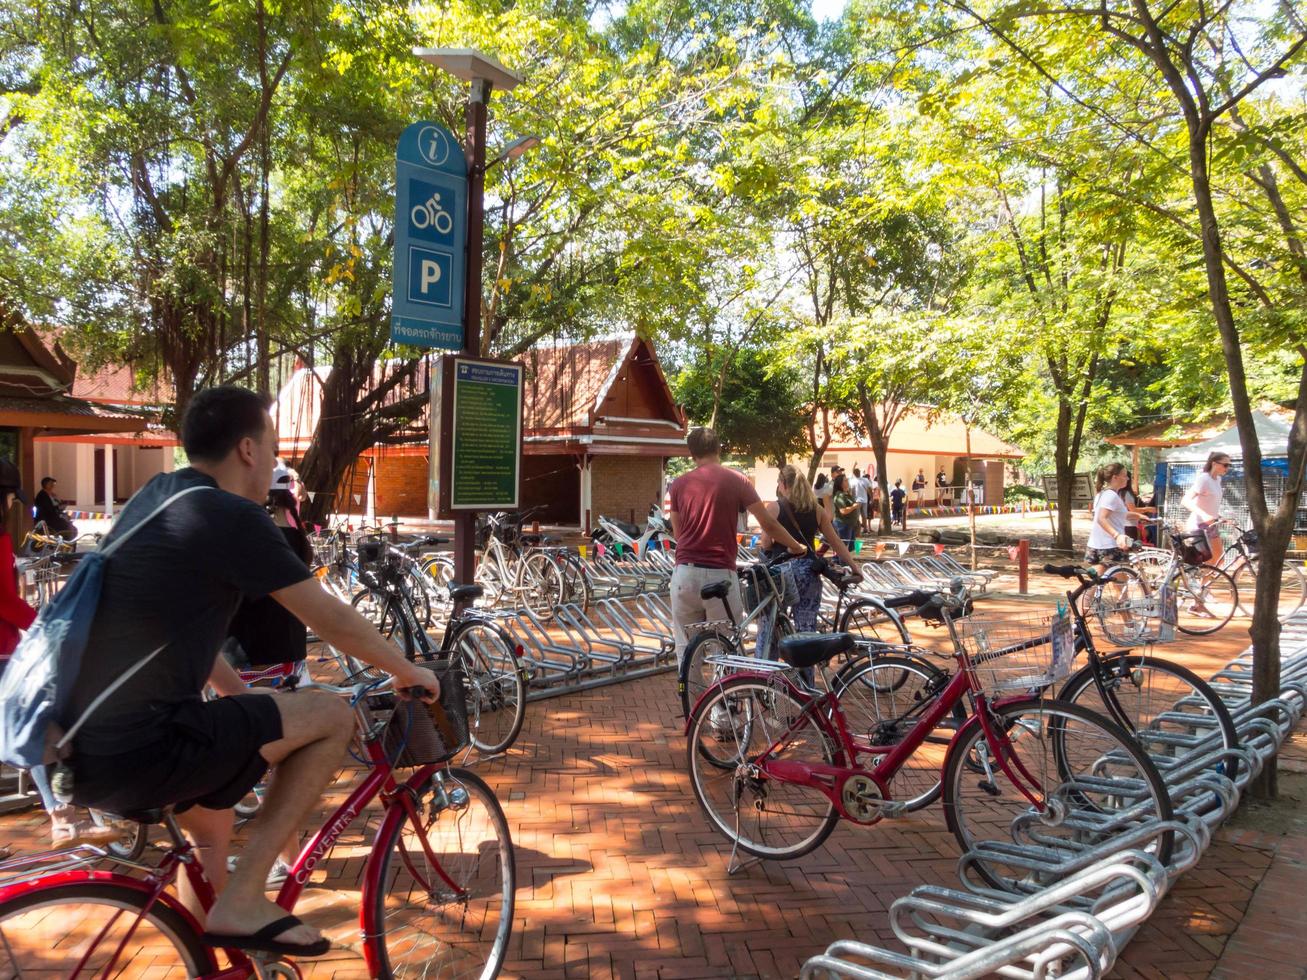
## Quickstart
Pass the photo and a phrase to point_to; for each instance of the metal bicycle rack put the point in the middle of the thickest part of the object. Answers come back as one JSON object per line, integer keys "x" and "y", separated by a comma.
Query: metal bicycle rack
{"x": 1074, "y": 911}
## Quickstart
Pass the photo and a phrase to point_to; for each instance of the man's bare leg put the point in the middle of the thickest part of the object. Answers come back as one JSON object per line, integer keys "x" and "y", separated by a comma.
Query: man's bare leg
{"x": 210, "y": 832}
{"x": 316, "y": 727}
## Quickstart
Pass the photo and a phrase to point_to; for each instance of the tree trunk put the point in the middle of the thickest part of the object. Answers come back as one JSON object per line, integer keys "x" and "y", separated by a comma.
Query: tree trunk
{"x": 1065, "y": 468}
{"x": 880, "y": 449}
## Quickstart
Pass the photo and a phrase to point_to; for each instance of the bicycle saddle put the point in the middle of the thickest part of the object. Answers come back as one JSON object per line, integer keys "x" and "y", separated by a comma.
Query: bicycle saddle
{"x": 461, "y": 593}
{"x": 716, "y": 590}
{"x": 808, "y": 649}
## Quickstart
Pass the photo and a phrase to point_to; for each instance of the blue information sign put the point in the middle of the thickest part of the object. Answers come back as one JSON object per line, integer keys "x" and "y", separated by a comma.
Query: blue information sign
{"x": 430, "y": 238}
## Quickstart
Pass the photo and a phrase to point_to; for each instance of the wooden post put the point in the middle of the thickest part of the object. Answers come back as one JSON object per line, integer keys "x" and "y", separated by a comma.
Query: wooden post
{"x": 1023, "y": 566}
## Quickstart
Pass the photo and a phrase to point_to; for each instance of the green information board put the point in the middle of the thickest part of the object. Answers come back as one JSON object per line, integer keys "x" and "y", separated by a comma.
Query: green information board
{"x": 486, "y": 436}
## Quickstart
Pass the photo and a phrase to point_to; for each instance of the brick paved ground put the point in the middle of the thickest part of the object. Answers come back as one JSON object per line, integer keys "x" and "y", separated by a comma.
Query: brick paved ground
{"x": 620, "y": 876}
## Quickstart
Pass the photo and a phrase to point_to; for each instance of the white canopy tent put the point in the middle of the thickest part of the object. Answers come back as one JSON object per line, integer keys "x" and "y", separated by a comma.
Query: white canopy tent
{"x": 1272, "y": 436}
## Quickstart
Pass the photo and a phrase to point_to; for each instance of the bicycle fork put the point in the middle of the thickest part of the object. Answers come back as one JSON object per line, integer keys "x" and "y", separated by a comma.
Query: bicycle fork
{"x": 1004, "y": 753}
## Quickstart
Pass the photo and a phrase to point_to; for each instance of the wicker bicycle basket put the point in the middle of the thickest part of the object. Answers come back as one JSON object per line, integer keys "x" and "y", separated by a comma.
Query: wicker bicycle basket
{"x": 1016, "y": 653}
{"x": 425, "y": 734}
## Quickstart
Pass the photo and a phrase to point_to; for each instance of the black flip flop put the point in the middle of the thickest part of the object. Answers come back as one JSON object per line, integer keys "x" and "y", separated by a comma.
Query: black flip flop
{"x": 262, "y": 941}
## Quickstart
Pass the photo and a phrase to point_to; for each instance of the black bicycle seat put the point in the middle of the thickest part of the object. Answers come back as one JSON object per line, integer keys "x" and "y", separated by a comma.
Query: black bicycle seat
{"x": 1191, "y": 536}
{"x": 434, "y": 541}
{"x": 464, "y": 593}
{"x": 716, "y": 590}
{"x": 808, "y": 649}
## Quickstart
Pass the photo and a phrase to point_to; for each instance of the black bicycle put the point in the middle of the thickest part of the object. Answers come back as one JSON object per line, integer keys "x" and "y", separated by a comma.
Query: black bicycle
{"x": 492, "y": 661}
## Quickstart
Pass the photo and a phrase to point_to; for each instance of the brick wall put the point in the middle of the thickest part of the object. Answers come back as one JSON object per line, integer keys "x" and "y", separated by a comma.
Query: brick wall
{"x": 401, "y": 486}
{"x": 625, "y": 486}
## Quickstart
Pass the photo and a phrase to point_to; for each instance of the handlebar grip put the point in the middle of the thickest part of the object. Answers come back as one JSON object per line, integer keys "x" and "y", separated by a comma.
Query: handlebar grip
{"x": 1063, "y": 571}
{"x": 916, "y": 597}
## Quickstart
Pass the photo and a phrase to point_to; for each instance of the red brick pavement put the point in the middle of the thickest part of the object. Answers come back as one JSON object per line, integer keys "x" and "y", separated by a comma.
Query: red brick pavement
{"x": 619, "y": 875}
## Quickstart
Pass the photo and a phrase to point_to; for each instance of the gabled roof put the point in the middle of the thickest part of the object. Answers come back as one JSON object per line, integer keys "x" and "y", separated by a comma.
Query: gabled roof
{"x": 918, "y": 432}
{"x": 1174, "y": 432}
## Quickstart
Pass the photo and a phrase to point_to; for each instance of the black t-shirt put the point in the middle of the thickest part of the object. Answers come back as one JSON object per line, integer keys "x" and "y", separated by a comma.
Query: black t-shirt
{"x": 175, "y": 585}
{"x": 802, "y": 524}
{"x": 896, "y": 495}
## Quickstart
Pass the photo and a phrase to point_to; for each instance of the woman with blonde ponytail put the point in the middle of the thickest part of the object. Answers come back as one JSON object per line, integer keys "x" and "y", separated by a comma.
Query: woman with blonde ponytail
{"x": 797, "y": 510}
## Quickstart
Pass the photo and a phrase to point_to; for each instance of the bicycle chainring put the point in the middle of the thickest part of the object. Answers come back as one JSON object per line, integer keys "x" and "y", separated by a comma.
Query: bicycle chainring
{"x": 859, "y": 795}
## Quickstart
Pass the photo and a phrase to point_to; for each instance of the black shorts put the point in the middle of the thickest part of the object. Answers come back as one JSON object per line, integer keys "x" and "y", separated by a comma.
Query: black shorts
{"x": 207, "y": 755}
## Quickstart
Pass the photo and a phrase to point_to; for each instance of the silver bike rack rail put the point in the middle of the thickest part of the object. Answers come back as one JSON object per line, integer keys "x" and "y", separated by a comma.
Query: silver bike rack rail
{"x": 1077, "y": 906}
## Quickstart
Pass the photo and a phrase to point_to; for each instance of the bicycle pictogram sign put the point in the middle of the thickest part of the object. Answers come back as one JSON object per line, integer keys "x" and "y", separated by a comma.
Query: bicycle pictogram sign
{"x": 432, "y": 214}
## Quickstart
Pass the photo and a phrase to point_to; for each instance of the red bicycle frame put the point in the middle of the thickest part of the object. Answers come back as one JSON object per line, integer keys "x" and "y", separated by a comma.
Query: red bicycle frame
{"x": 827, "y": 779}
{"x": 400, "y": 803}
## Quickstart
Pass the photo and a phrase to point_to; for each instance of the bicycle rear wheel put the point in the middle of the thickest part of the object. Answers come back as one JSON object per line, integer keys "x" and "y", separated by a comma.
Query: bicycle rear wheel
{"x": 45, "y": 932}
{"x": 1169, "y": 709}
{"x": 1119, "y": 603}
{"x": 696, "y": 675}
{"x": 496, "y": 686}
{"x": 1088, "y": 781}
{"x": 540, "y": 584}
{"x": 867, "y": 619}
{"x": 1293, "y": 589}
{"x": 731, "y": 730}
{"x": 1206, "y": 598}
{"x": 445, "y": 909}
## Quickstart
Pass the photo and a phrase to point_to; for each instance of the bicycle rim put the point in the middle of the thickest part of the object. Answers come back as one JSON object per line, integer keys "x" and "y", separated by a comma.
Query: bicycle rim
{"x": 870, "y": 621}
{"x": 696, "y": 674}
{"x": 1293, "y": 589}
{"x": 540, "y": 584}
{"x": 764, "y": 816}
{"x": 1207, "y": 598}
{"x": 1118, "y": 605}
{"x": 456, "y": 923}
{"x": 1170, "y": 710}
{"x": 1090, "y": 782}
{"x": 881, "y": 713}
{"x": 44, "y": 933}
{"x": 496, "y": 687}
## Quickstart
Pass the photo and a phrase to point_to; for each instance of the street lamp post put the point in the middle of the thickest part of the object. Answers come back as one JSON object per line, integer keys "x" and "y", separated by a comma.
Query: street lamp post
{"x": 483, "y": 73}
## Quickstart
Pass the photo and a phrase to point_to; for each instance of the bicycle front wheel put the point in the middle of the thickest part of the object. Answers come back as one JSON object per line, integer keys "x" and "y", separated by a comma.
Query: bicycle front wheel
{"x": 1055, "y": 776}
{"x": 540, "y": 584}
{"x": 444, "y": 906}
{"x": 1293, "y": 589}
{"x": 46, "y": 931}
{"x": 743, "y": 725}
{"x": 1206, "y": 599}
{"x": 496, "y": 686}
{"x": 1169, "y": 709}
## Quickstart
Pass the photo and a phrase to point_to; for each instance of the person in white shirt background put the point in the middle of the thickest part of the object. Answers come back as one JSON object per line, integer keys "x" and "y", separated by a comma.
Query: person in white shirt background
{"x": 1203, "y": 501}
{"x": 1108, "y": 542}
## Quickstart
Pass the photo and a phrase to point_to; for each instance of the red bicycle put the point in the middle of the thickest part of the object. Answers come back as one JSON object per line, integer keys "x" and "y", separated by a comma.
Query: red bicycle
{"x": 437, "y": 892}
{"x": 776, "y": 764}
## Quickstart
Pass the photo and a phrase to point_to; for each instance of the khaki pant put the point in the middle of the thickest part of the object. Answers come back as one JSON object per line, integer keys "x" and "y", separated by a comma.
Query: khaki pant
{"x": 688, "y": 607}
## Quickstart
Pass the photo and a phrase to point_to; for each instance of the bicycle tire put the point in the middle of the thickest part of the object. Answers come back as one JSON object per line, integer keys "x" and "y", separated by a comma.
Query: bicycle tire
{"x": 418, "y": 594}
{"x": 131, "y": 845}
{"x": 1088, "y": 807}
{"x": 576, "y": 583}
{"x": 695, "y": 675}
{"x": 540, "y": 585}
{"x": 1214, "y": 590}
{"x": 1186, "y": 702}
{"x": 880, "y": 714}
{"x": 758, "y": 714}
{"x": 1293, "y": 589}
{"x": 479, "y": 832}
{"x": 868, "y": 619}
{"x": 496, "y": 685}
{"x": 21, "y": 937}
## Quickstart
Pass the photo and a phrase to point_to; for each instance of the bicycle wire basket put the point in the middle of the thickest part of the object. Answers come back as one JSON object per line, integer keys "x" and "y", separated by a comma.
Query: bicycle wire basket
{"x": 420, "y": 734}
{"x": 1016, "y": 653}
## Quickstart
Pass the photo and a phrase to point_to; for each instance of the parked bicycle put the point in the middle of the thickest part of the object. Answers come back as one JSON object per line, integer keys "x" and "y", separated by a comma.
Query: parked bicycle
{"x": 437, "y": 891}
{"x": 1207, "y": 596}
{"x": 776, "y": 764}
{"x": 492, "y": 661}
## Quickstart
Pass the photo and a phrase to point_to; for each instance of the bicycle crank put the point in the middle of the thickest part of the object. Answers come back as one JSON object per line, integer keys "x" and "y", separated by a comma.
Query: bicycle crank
{"x": 864, "y": 801}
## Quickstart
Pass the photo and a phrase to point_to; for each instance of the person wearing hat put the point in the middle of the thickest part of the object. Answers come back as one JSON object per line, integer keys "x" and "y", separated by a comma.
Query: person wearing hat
{"x": 50, "y": 509}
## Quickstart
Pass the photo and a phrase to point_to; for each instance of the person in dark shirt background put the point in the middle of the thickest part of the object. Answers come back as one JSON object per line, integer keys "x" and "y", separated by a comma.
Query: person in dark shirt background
{"x": 50, "y": 509}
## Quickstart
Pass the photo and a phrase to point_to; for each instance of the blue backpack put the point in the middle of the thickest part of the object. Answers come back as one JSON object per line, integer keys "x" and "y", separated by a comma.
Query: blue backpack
{"x": 36, "y": 686}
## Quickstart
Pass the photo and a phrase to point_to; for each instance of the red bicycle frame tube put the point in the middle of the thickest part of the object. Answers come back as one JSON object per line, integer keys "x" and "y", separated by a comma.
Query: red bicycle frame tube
{"x": 826, "y": 778}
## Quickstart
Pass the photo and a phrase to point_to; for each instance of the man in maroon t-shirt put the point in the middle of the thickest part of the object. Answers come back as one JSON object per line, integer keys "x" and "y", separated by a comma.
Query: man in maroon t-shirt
{"x": 706, "y": 503}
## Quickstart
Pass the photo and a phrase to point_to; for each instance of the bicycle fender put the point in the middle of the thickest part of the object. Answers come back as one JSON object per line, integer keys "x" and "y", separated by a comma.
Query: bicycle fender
{"x": 756, "y": 675}
{"x": 80, "y": 877}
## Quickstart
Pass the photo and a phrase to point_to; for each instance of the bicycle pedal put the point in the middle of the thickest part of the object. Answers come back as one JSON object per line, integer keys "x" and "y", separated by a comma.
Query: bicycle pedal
{"x": 988, "y": 787}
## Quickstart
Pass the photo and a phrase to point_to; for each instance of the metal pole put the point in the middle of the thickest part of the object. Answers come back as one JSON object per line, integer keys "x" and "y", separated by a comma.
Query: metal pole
{"x": 478, "y": 98}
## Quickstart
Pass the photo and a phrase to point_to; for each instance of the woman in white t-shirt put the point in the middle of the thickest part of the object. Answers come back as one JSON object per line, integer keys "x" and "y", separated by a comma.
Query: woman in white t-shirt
{"x": 1203, "y": 501}
{"x": 1108, "y": 542}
